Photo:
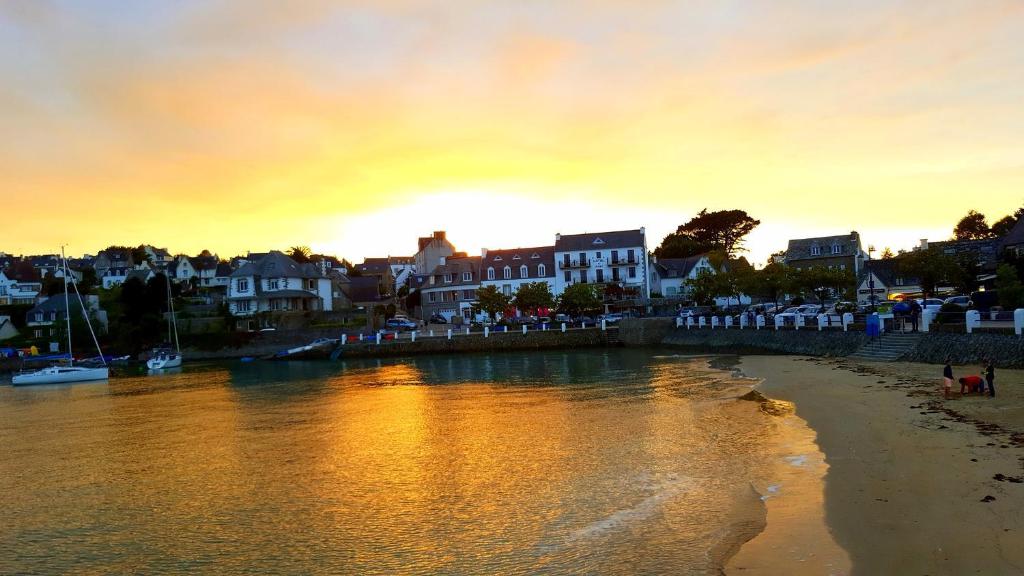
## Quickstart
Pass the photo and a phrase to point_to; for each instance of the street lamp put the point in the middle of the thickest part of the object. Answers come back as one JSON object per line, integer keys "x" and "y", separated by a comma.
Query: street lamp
{"x": 871, "y": 278}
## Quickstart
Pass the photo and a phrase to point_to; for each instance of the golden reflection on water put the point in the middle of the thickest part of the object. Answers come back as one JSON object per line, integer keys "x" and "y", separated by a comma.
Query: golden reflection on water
{"x": 612, "y": 462}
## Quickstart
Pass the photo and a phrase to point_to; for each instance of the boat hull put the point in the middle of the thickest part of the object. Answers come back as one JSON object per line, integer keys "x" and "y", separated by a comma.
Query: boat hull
{"x": 61, "y": 375}
{"x": 163, "y": 363}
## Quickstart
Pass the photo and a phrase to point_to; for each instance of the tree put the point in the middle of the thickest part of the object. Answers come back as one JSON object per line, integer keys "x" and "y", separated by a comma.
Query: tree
{"x": 1003, "y": 226}
{"x": 887, "y": 253}
{"x": 720, "y": 230}
{"x": 972, "y": 227}
{"x": 1011, "y": 290}
{"x": 825, "y": 282}
{"x": 579, "y": 299}
{"x": 704, "y": 287}
{"x": 931, "y": 268}
{"x": 533, "y": 296}
{"x": 491, "y": 301}
{"x": 772, "y": 282}
{"x": 300, "y": 254}
{"x": 777, "y": 257}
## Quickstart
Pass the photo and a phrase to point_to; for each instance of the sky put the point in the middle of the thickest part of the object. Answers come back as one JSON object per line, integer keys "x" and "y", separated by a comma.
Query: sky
{"x": 356, "y": 127}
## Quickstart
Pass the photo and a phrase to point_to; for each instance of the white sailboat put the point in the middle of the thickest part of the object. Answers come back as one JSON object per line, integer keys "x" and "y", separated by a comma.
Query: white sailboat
{"x": 69, "y": 373}
{"x": 164, "y": 357}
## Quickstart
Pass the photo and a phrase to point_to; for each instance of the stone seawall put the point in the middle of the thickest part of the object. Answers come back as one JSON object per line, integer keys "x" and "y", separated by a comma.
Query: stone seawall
{"x": 655, "y": 331}
{"x": 1006, "y": 350}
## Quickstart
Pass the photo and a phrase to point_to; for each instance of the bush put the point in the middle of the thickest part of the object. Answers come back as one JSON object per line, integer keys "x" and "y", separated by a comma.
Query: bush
{"x": 950, "y": 313}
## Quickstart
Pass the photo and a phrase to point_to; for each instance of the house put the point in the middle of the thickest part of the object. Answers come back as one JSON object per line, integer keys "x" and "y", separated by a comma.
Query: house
{"x": 617, "y": 257}
{"x": 380, "y": 269}
{"x": 509, "y": 269}
{"x": 884, "y": 279}
{"x": 46, "y": 265}
{"x": 341, "y": 288}
{"x": 402, "y": 268}
{"x": 983, "y": 253}
{"x": 205, "y": 267}
{"x": 327, "y": 263}
{"x": 46, "y": 319}
{"x": 181, "y": 269}
{"x": 159, "y": 258}
{"x": 113, "y": 257}
{"x": 450, "y": 288}
{"x": 15, "y": 291}
{"x": 841, "y": 252}
{"x": 430, "y": 250}
{"x": 1013, "y": 242}
{"x": 276, "y": 283}
{"x": 117, "y": 275}
{"x": 670, "y": 276}
{"x": 222, "y": 275}
{"x": 7, "y": 329}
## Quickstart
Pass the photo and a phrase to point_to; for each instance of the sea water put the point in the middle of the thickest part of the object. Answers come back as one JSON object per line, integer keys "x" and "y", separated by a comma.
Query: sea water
{"x": 596, "y": 462}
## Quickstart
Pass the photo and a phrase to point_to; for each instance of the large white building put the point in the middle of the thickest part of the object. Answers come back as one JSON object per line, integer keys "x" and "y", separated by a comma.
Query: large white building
{"x": 509, "y": 269}
{"x": 617, "y": 257}
{"x": 276, "y": 283}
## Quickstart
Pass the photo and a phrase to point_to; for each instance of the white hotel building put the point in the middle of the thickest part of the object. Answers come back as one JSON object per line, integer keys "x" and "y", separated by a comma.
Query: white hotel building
{"x": 618, "y": 257}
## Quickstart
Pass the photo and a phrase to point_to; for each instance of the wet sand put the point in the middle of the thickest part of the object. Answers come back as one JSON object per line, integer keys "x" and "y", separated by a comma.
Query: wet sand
{"x": 913, "y": 484}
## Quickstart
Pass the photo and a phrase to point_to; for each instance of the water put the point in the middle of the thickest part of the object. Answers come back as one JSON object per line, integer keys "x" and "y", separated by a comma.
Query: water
{"x": 598, "y": 462}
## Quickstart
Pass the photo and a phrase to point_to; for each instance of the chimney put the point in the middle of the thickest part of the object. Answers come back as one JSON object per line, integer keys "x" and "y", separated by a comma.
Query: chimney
{"x": 924, "y": 244}
{"x": 439, "y": 234}
{"x": 558, "y": 236}
{"x": 643, "y": 230}
{"x": 483, "y": 253}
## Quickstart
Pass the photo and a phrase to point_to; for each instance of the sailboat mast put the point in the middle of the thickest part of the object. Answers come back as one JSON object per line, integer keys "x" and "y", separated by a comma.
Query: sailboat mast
{"x": 174, "y": 319}
{"x": 67, "y": 305}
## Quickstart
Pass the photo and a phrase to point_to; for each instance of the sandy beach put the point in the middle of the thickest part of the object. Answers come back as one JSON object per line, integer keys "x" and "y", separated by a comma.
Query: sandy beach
{"x": 912, "y": 483}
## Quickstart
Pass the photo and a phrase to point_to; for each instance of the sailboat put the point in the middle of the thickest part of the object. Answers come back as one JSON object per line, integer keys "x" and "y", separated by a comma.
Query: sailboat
{"x": 165, "y": 357}
{"x": 62, "y": 374}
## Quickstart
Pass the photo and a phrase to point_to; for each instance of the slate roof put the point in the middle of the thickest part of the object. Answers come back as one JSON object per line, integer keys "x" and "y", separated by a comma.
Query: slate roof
{"x": 456, "y": 267}
{"x": 599, "y": 240}
{"x": 276, "y": 265}
{"x": 204, "y": 262}
{"x": 374, "y": 266}
{"x": 223, "y": 269}
{"x": 142, "y": 275}
{"x": 800, "y": 249}
{"x": 677, "y": 267}
{"x": 1015, "y": 236}
{"x": 364, "y": 289}
{"x": 403, "y": 260}
{"x": 517, "y": 257}
{"x": 887, "y": 270}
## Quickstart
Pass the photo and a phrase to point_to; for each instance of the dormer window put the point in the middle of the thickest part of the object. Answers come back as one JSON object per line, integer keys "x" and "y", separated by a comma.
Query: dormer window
{"x": 598, "y": 241}
{"x": 815, "y": 250}
{"x": 837, "y": 249}
{"x": 508, "y": 273}
{"x": 542, "y": 270}
{"x": 497, "y": 258}
{"x": 447, "y": 278}
{"x": 516, "y": 257}
{"x": 535, "y": 255}
{"x": 467, "y": 276}
{"x": 524, "y": 272}
{"x": 490, "y": 273}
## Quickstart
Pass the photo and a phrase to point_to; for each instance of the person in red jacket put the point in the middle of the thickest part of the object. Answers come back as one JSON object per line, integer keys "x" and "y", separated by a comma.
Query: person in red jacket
{"x": 971, "y": 384}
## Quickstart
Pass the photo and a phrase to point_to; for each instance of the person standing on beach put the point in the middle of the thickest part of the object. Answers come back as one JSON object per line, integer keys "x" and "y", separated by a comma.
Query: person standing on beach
{"x": 990, "y": 377}
{"x": 947, "y": 379}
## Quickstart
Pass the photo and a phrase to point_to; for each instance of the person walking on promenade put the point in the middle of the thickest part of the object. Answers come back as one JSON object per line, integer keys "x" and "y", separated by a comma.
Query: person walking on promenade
{"x": 947, "y": 379}
{"x": 990, "y": 377}
{"x": 915, "y": 314}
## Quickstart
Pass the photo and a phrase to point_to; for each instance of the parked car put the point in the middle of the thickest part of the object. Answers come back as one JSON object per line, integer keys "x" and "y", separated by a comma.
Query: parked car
{"x": 438, "y": 319}
{"x": 933, "y": 304}
{"x": 612, "y": 318}
{"x": 400, "y": 324}
{"x": 961, "y": 301}
{"x": 984, "y": 300}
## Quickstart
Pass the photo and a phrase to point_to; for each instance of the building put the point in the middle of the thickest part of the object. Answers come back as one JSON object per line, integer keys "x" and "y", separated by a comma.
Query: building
{"x": 7, "y": 329}
{"x": 380, "y": 269}
{"x": 509, "y": 269}
{"x": 402, "y": 269}
{"x": 1013, "y": 242}
{"x": 120, "y": 258}
{"x": 617, "y": 257}
{"x": 47, "y": 318}
{"x": 430, "y": 250}
{"x": 842, "y": 252}
{"x": 181, "y": 269}
{"x": 670, "y": 276}
{"x": 884, "y": 279}
{"x": 982, "y": 253}
{"x": 450, "y": 288}
{"x": 159, "y": 258}
{"x": 276, "y": 283}
{"x": 15, "y": 291}
{"x": 205, "y": 267}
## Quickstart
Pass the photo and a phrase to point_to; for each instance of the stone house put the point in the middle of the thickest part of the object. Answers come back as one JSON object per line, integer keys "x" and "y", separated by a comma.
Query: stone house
{"x": 843, "y": 252}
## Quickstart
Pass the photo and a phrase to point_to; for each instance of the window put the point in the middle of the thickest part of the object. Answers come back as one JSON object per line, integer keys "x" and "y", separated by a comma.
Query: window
{"x": 632, "y": 271}
{"x": 275, "y": 304}
{"x": 506, "y": 289}
{"x": 497, "y": 258}
{"x": 598, "y": 255}
{"x": 815, "y": 250}
{"x": 600, "y": 275}
{"x": 524, "y": 272}
{"x": 568, "y": 277}
{"x": 272, "y": 285}
{"x": 598, "y": 241}
{"x": 671, "y": 290}
{"x": 615, "y": 256}
{"x": 542, "y": 270}
{"x": 312, "y": 284}
{"x": 242, "y": 306}
{"x": 583, "y": 276}
{"x": 842, "y": 266}
{"x": 39, "y": 316}
{"x": 469, "y": 294}
{"x": 615, "y": 274}
{"x": 432, "y": 297}
{"x": 837, "y": 249}
{"x": 467, "y": 276}
{"x": 242, "y": 285}
{"x": 490, "y": 273}
{"x": 583, "y": 258}
{"x": 447, "y": 278}
{"x": 37, "y": 333}
{"x": 629, "y": 256}
{"x": 516, "y": 257}
{"x": 508, "y": 273}
{"x": 432, "y": 279}
{"x": 565, "y": 260}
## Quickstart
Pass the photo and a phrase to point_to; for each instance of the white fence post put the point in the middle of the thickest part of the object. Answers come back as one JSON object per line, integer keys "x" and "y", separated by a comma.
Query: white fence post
{"x": 759, "y": 321}
{"x": 927, "y": 317}
{"x": 449, "y": 333}
{"x": 378, "y": 338}
{"x": 715, "y": 322}
{"x": 413, "y": 334}
{"x": 847, "y": 320}
{"x": 973, "y": 320}
{"x": 798, "y": 321}
{"x": 563, "y": 327}
{"x": 779, "y": 321}
{"x": 702, "y": 322}
{"x": 744, "y": 321}
{"x": 524, "y": 329}
{"x": 822, "y": 318}
{"x": 1018, "y": 321}
{"x": 604, "y": 325}
{"x": 344, "y": 339}
{"x": 487, "y": 331}
{"x": 467, "y": 331}
{"x": 689, "y": 322}
{"x": 728, "y": 322}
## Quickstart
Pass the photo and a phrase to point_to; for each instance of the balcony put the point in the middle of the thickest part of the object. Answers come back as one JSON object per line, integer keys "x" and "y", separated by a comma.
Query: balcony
{"x": 563, "y": 265}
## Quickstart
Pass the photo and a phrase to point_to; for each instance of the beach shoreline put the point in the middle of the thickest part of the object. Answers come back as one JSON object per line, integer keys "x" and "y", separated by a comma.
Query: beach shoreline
{"x": 911, "y": 484}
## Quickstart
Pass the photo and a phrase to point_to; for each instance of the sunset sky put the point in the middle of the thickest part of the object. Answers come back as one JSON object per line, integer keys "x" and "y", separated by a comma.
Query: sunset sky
{"x": 355, "y": 127}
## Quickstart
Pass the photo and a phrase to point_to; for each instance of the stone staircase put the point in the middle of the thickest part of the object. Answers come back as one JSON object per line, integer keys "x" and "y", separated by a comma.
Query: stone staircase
{"x": 890, "y": 346}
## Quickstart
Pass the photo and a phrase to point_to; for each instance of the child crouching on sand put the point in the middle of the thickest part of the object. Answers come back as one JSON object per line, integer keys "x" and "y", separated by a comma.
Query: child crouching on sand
{"x": 947, "y": 379}
{"x": 971, "y": 384}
